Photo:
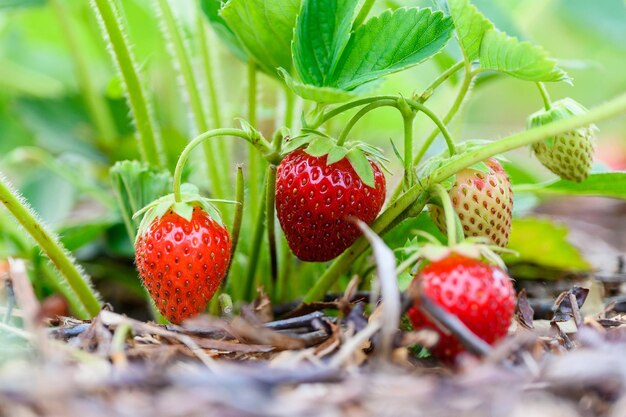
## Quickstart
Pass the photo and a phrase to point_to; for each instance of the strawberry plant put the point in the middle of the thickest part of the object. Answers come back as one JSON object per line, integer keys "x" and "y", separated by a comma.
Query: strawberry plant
{"x": 290, "y": 146}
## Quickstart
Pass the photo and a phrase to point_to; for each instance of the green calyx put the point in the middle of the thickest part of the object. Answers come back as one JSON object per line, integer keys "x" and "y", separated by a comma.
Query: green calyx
{"x": 190, "y": 199}
{"x": 473, "y": 247}
{"x": 560, "y": 110}
{"x": 359, "y": 154}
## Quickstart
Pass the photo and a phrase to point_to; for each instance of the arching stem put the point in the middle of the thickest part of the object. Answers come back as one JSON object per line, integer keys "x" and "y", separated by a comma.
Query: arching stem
{"x": 413, "y": 200}
{"x": 353, "y": 121}
{"x": 467, "y": 82}
{"x": 438, "y": 122}
{"x": 257, "y": 141}
{"x": 544, "y": 95}
{"x": 428, "y": 91}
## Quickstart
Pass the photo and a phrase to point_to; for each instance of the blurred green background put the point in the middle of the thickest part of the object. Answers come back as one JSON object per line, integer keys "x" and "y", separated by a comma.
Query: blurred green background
{"x": 59, "y": 159}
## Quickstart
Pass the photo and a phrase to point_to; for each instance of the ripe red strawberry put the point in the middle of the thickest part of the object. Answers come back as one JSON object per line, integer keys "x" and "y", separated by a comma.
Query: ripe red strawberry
{"x": 314, "y": 202}
{"x": 570, "y": 154}
{"x": 182, "y": 262}
{"x": 483, "y": 202}
{"x": 479, "y": 294}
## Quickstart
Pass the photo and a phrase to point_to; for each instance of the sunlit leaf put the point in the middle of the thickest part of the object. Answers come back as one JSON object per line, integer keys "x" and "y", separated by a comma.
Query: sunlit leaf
{"x": 322, "y": 33}
{"x": 503, "y": 53}
{"x": 265, "y": 29}
{"x": 390, "y": 43}
{"x": 543, "y": 243}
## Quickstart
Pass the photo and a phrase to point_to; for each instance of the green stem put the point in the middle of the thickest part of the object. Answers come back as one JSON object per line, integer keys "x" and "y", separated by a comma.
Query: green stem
{"x": 449, "y": 212}
{"x": 407, "y": 120}
{"x": 96, "y": 104}
{"x": 257, "y": 240}
{"x": 182, "y": 64}
{"x": 236, "y": 230}
{"x": 441, "y": 125}
{"x": 347, "y": 106}
{"x": 150, "y": 145}
{"x": 59, "y": 284}
{"x": 259, "y": 143}
{"x": 223, "y": 160}
{"x": 544, "y": 95}
{"x": 270, "y": 200}
{"x": 290, "y": 100}
{"x": 353, "y": 121}
{"x": 365, "y": 9}
{"x": 51, "y": 246}
{"x": 428, "y": 91}
{"x": 414, "y": 199}
{"x": 467, "y": 82}
{"x": 207, "y": 63}
{"x": 254, "y": 166}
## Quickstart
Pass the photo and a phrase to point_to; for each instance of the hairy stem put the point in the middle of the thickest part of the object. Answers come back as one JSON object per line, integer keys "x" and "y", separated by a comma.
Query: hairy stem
{"x": 259, "y": 143}
{"x": 441, "y": 125}
{"x": 207, "y": 64}
{"x": 413, "y": 200}
{"x": 223, "y": 148}
{"x": 270, "y": 200}
{"x": 254, "y": 166}
{"x": 51, "y": 246}
{"x": 96, "y": 104}
{"x": 182, "y": 64}
{"x": 407, "y": 121}
{"x": 347, "y": 106}
{"x": 353, "y": 121}
{"x": 150, "y": 145}
{"x": 467, "y": 82}
{"x": 428, "y": 91}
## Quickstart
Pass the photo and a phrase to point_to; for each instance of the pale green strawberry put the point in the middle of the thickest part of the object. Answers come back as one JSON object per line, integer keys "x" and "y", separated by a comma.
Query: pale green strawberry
{"x": 483, "y": 200}
{"x": 569, "y": 155}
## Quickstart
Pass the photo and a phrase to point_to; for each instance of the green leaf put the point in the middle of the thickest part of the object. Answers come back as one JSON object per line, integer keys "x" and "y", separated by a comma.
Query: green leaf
{"x": 76, "y": 236}
{"x": 265, "y": 29}
{"x": 391, "y": 42}
{"x": 211, "y": 9}
{"x": 336, "y": 154}
{"x": 320, "y": 146}
{"x": 322, "y": 32}
{"x": 470, "y": 26}
{"x": 362, "y": 166}
{"x": 604, "y": 184}
{"x": 136, "y": 185}
{"x": 326, "y": 95}
{"x": 503, "y": 53}
{"x": 543, "y": 243}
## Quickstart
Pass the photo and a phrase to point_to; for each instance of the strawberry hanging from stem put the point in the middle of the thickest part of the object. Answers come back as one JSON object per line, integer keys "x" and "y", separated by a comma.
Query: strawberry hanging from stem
{"x": 320, "y": 185}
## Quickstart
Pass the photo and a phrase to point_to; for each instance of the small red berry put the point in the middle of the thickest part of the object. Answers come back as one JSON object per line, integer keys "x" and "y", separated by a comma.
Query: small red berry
{"x": 182, "y": 263}
{"x": 481, "y": 295}
{"x": 314, "y": 202}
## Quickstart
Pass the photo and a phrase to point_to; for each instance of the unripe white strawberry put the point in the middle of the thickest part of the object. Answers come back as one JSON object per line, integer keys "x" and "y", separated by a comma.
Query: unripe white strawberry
{"x": 483, "y": 200}
{"x": 570, "y": 154}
